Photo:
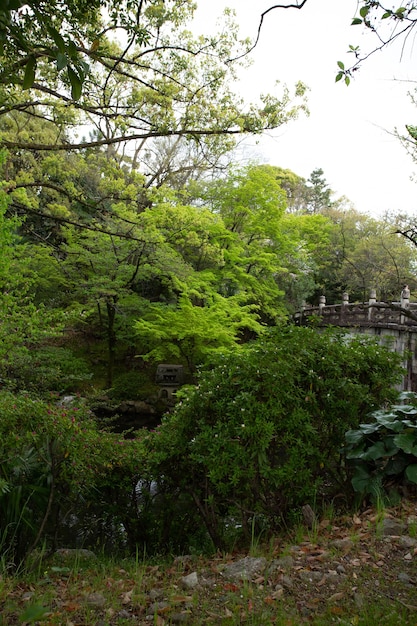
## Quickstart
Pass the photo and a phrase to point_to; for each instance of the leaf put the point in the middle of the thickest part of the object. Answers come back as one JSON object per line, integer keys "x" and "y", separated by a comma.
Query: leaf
{"x": 76, "y": 83}
{"x": 411, "y": 473}
{"x": 361, "y": 480}
{"x": 406, "y": 441}
{"x": 353, "y": 437}
{"x": 377, "y": 451}
{"x": 356, "y": 21}
{"x": 29, "y": 77}
{"x": 347, "y": 80}
{"x": 59, "y": 42}
{"x": 33, "y": 613}
{"x": 61, "y": 61}
{"x": 341, "y": 65}
{"x": 339, "y": 76}
{"x": 364, "y": 11}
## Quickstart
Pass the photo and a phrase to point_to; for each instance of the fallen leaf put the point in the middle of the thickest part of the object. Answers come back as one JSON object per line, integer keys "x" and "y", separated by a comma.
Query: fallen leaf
{"x": 180, "y": 599}
{"x": 336, "y": 597}
{"x": 127, "y": 596}
{"x": 336, "y": 610}
{"x": 269, "y": 600}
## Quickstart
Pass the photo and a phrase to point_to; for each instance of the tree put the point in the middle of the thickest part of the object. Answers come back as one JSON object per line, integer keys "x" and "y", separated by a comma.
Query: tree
{"x": 159, "y": 82}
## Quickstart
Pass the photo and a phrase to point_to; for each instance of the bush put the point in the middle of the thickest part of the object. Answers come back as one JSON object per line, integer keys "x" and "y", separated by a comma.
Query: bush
{"x": 133, "y": 385}
{"x": 260, "y": 434}
{"x": 55, "y": 466}
{"x": 49, "y": 368}
{"x": 382, "y": 453}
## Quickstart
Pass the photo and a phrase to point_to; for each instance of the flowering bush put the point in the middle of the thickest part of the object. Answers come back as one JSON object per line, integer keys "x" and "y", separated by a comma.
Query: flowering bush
{"x": 260, "y": 434}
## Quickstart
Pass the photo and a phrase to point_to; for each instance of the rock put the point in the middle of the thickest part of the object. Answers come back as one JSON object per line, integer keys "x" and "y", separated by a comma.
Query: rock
{"x": 190, "y": 581}
{"x": 340, "y": 569}
{"x": 287, "y": 582}
{"x": 75, "y": 553}
{"x": 404, "y": 578}
{"x": 345, "y": 544}
{"x": 156, "y": 594}
{"x": 95, "y": 600}
{"x": 181, "y": 618}
{"x": 359, "y": 600}
{"x": 309, "y": 516}
{"x": 285, "y": 563}
{"x": 408, "y": 542}
{"x": 310, "y": 576}
{"x": 157, "y": 606}
{"x": 246, "y": 568}
{"x": 392, "y": 526}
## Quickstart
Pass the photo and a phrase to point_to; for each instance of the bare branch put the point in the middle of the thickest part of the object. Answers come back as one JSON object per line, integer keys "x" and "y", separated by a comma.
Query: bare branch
{"x": 297, "y": 5}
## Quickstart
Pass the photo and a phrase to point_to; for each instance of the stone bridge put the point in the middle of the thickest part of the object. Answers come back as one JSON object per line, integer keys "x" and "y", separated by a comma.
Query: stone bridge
{"x": 394, "y": 324}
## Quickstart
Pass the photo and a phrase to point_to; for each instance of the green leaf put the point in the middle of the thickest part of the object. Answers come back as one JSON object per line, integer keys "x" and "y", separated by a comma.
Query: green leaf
{"x": 347, "y": 80}
{"x": 377, "y": 451}
{"x": 353, "y": 437}
{"x": 406, "y": 441}
{"x": 364, "y": 11}
{"x": 76, "y": 83}
{"x": 395, "y": 466}
{"x": 29, "y": 77}
{"x": 341, "y": 65}
{"x": 61, "y": 61}
{"x": 339, "y": 77}
{"x": 392, "y": 424}
{"x": 386, "y": 14}
{"x": 33, "y": 613}
{"x": 356, "y": 21}
{"x": 361, "y": 480}
{"x": 411, "y": 473}
{"x": 60, "y": 43}
{"x": 369, "y": 429}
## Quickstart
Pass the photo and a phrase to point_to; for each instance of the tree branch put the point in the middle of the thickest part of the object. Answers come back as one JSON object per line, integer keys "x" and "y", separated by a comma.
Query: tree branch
{"x": 297, "y": 5}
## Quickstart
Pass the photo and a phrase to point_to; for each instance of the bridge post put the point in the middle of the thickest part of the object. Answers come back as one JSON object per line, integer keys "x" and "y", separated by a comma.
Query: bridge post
{"x": 322, "y": 303}
{"x": 405, "y": 301}
{"x": 372, "y": 300}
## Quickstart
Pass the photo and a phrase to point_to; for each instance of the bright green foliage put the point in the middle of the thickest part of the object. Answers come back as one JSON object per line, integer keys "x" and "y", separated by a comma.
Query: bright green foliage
{"x": 133, "y": 68}
{"x": 259, "y": 435}
{"x": 382, "y": 453}
{"x": 193, "y": 334}
{"x": 53, "y": 458}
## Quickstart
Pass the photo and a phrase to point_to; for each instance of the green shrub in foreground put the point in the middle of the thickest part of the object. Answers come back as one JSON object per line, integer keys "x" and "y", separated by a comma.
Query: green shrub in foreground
{"x": 260, "y": 434}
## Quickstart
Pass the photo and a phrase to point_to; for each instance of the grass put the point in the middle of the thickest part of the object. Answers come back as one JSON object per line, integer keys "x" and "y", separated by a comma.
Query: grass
{"x": 367, "y": 580}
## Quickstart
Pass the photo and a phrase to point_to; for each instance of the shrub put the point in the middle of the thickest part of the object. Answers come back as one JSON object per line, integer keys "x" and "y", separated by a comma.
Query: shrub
{"x": 133, "y": 385}
{"x": 382, "y": 453}
{"x": 54, "y": 460}
{"x": 261, "y": 432}
{"x": 44, "y": 369}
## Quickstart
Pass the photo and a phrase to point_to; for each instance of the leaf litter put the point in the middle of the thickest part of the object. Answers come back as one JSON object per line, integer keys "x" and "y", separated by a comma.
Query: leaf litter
{"x": 347, "y": 571}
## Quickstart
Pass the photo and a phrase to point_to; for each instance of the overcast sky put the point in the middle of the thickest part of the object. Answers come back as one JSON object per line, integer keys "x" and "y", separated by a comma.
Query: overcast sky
{"x": 348, "y": 133}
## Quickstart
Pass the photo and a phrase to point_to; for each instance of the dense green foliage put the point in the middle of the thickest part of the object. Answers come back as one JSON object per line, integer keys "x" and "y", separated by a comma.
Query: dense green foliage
{"x": 259, "y": 435}
{"x": 382, "y": 453}
{"x": 142, "y": 244}
{"x": 61, "y": 477}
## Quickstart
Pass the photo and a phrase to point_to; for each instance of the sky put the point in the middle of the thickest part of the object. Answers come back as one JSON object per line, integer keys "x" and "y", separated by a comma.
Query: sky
{"x": 349, "y": 133}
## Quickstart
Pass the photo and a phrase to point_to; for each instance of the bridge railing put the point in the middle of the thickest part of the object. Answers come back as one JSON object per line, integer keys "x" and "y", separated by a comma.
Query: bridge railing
{"x": 371, "y": 313}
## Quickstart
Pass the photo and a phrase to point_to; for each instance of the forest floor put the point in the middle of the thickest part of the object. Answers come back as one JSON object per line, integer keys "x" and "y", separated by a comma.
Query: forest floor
{"x": 355, "y": 570}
